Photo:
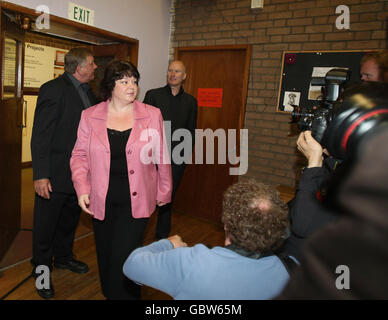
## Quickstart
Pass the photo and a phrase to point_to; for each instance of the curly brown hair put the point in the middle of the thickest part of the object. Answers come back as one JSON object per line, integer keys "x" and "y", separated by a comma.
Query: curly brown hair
{"x": 255, "y": 216}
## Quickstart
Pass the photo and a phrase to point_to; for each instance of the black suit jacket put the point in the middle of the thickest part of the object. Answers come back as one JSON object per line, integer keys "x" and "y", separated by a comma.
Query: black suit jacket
{"x": 54, "y": 133}
{"x": 181, "y": 109}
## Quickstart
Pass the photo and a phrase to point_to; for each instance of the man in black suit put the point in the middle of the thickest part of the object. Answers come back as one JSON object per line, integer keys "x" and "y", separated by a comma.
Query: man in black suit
{"x": 180, "y": 108}
{"x": 56, "y": 211}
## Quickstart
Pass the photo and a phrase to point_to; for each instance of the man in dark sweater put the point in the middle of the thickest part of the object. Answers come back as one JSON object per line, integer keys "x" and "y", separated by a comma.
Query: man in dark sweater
{"x": 179, "y": 110}
{"x": 306, "y": 211}
{"x": 349, "y": 259}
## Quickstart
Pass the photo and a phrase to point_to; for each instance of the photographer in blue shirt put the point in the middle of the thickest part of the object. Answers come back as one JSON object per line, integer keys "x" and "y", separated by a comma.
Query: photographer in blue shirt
{"x": 256, "y": 223}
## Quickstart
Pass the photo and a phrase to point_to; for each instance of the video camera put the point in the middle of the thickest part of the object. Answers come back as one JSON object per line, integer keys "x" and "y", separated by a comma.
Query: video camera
{"x": 318, "y": 117}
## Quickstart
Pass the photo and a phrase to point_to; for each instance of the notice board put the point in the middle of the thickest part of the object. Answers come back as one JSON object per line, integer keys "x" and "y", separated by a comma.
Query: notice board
{"x": 299, "y": 67}
{"x": 41, "y": 64}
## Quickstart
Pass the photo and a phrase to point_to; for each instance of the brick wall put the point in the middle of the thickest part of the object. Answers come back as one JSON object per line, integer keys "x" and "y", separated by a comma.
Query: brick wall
{"x": 283, "y": 25}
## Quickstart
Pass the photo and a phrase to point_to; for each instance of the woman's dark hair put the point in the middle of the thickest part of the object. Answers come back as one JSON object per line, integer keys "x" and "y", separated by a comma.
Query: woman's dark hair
{"x": 116, "y": 70}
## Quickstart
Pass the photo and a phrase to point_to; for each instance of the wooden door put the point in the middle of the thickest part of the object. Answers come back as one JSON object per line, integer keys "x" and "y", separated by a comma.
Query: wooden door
{"x": 12, "y": 55}
{"x": 103, "y": 54}
{"x": 220, "y": 67}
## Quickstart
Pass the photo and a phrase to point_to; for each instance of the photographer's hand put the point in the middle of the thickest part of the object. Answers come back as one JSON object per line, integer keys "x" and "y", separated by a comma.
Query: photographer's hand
{"x": 311, "y": 149}
{"x": 177, "y": 241}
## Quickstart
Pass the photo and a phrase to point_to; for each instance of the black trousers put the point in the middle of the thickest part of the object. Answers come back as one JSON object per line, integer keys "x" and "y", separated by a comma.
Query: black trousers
{"x": 163, "y": 225}
{"x": 116, "y": 237}
{"x": 55, "y": 221}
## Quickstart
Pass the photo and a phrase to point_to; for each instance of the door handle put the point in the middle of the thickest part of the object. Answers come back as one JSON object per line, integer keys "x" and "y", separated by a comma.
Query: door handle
{"x": 24, "y": 125}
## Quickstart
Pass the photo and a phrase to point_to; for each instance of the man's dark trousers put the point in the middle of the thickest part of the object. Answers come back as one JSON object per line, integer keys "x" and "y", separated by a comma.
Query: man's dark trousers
{"x": 55, "y": 221}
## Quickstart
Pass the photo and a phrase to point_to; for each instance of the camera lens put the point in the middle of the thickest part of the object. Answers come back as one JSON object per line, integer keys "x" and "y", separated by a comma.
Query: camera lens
{"x": 364, "y": 109}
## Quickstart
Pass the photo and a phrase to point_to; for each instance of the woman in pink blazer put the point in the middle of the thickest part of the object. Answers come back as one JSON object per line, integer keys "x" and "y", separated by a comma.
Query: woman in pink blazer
{"x": 121, "y": 171}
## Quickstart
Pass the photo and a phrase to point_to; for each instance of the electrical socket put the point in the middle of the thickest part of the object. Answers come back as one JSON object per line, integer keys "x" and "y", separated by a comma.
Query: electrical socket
{"x": 257, "y": 4}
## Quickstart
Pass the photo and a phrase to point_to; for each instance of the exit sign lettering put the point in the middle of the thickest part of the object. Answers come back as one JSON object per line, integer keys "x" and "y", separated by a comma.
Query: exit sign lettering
{"x": 81, "y": 14}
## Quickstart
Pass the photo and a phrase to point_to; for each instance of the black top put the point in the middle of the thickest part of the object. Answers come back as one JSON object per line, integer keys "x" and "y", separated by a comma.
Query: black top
{"x": 118, "y": 140}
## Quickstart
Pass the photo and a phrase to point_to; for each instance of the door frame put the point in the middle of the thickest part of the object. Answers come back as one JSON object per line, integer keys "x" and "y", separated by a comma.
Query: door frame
{"x": 11, "y": 137}
{"x": 133, "y": 43}
{"x": 12, "y": 31}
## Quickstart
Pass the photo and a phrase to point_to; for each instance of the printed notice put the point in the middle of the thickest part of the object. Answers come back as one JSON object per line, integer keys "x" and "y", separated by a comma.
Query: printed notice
{"x": 42, "y": 63}
{"x": 9, "y": 62}
{"x": 210, "y": 97}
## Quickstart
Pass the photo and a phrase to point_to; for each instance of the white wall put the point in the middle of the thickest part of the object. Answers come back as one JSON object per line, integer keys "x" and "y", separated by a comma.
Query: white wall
{"x": 145, "y": 20}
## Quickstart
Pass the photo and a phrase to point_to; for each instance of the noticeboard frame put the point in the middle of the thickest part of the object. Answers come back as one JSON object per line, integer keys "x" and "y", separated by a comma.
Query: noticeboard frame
{"x": 297, "y": 68}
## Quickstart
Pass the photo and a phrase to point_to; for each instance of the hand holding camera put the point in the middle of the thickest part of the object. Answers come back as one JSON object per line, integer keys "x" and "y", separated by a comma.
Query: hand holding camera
{"x": 310, "y": 148}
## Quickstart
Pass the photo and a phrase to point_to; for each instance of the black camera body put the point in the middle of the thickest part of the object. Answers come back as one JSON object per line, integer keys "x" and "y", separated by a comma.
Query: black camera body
{"x": 318, "y": 117}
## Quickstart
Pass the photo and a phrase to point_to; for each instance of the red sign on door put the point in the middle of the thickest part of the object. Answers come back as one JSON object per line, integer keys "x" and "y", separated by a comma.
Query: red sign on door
{"x": 209, "y": 97}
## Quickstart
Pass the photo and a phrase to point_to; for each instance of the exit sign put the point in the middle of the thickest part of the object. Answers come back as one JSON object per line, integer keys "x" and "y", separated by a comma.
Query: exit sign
{"x": 80, "y": 14}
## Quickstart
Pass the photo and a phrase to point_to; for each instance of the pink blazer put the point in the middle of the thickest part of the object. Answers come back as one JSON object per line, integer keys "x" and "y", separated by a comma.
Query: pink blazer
{"x": 146, "y": 147}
